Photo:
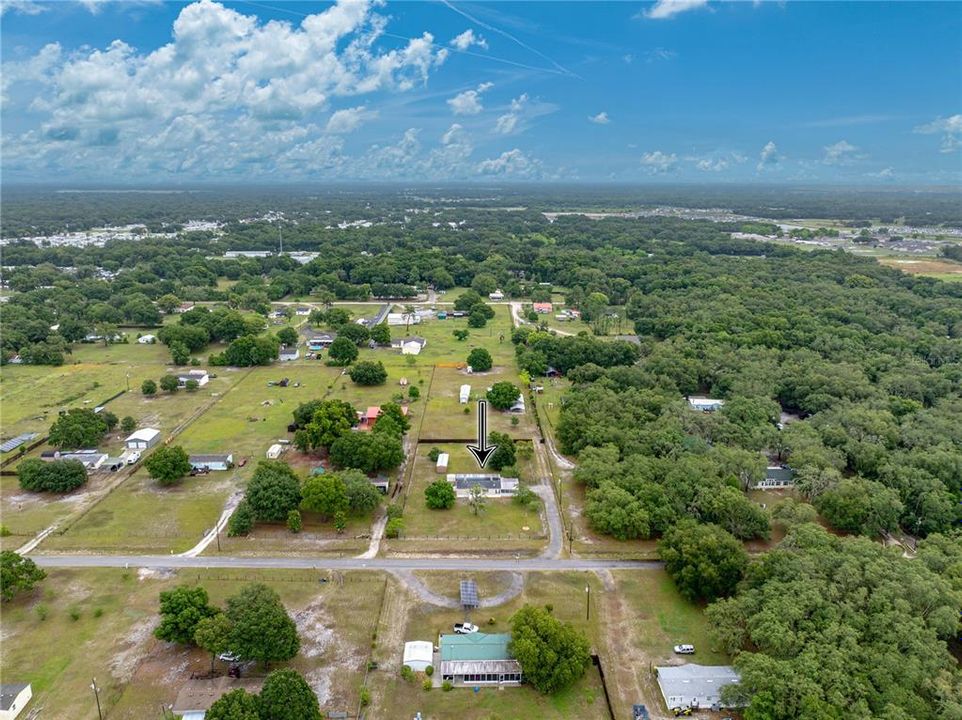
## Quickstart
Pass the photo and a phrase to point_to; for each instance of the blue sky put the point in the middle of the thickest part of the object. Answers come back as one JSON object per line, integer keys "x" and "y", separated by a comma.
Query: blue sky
{"x": 673, "y": 91}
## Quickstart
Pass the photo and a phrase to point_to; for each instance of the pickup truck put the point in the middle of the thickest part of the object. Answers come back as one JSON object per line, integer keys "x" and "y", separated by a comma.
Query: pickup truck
{"x": 685, "y": 649}
{"x": 465, "y": 628}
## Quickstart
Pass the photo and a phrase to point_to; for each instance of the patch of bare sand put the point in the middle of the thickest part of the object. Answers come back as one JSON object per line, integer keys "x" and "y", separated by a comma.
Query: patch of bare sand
{"x": 318, "y": 639}
{"x": 155, "y": 574}
{"x": 124, "y": 663}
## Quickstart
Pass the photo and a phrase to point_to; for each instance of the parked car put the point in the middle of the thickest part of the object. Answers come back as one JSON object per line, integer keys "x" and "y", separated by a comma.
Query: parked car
{"x": 133, "y": 457}
{"x": 465, "y": 628}
{"x": 685, "y": 649}
{"x": 228, "y": 657}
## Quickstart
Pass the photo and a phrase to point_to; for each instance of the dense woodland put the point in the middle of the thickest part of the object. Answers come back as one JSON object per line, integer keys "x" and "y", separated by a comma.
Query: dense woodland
{"x": 846, "y": 371}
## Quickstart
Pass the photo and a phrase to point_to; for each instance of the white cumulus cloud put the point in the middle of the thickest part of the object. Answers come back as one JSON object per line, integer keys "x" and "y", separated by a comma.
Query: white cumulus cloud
{"x": 511, "y": 163}
{"x": 469, "y": 101}
{"x": 228, "y": 94}
{"x": 467, "y": 39}
{"x": 841, "y": 153}
{"x": 349, "y": 119}
{"x": 768, "y": 157}
{"x": 599, "y": 119}
{"x": 657, "y": 162}
{"x": 950, "y": 128}
{"x": 666, "y": 9}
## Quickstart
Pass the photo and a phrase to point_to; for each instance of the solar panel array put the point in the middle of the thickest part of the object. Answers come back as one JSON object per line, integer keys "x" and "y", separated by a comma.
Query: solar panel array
{"x": 469, "y": 594}
{"x": 14, "y": 443}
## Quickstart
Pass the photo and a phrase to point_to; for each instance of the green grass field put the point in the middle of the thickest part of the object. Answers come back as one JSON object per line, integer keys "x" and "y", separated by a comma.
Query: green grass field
{"x": 502, "y": 517}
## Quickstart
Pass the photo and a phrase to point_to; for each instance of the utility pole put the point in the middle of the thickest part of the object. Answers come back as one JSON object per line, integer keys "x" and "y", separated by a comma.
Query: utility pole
{"x": 587, "y": 602}
{"x": 93, "y": 686}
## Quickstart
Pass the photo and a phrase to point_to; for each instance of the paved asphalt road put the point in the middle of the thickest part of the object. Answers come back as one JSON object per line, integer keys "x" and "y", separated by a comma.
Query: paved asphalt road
{"x": 297, "y": 563}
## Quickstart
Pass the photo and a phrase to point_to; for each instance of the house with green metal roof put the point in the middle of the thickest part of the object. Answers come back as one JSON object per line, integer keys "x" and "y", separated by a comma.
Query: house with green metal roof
{"x": 478, "y": 659}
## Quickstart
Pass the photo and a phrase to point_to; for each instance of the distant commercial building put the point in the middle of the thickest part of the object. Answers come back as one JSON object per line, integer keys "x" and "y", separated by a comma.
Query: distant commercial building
{"x": 234, "y": 254}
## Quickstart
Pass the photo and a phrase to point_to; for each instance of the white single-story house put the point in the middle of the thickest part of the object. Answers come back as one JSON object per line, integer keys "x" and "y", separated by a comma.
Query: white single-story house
{"x": 478, "y": 659}
{"x": 200, "y": 376}
{"x": 706, "y": 404}
{"x": 442, "y": 465}
{"x": 518, "y": 407}
{"x": 695, "y": 686}
{"x": 274, "y": 451}
{"x": 211, "y": 462}
{"x": 142, "y": 439}
{"x": 248, "y": 253}
{"x": 14, "y": 698}
{"x": 90, "y": 459}
{"x": 464, "y": 394}
{"x": 493, "y": 485}
{"x": 320, "y": 341}
{"x": 147, "y": 339}
{"x": 413, "y": 347}
{"x": 418, "y": 655}
{"x": 287, "y": 354}
{"x": 403, "y": 318}
{"x": 496, "y": 295}
{"x": 776, "y": 476}
{"x": 303, "y": 258}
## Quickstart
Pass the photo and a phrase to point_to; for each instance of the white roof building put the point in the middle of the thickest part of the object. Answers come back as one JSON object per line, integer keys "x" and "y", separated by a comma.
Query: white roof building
{"x": 695, "y": 686}
{"x": 147, "y": 339}
{"x": 464, "y": 394}
{"x": 418, "y": 655}
{"x": 274, "y": 451}
{"x": 705, "y": 404}
{"x": 443, "y": 459}
{"x": 200, "y": 376}
{"x": 142, "y": 439}
{"x": 14, "y": 698}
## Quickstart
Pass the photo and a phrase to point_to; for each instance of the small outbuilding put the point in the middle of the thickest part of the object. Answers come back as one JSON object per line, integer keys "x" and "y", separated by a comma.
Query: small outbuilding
{"x": 287, "y": 354}
{"x": 442, "y": 465}
{"x": 200, "y": 376}
{"x": 13, "y": 699}
{"x": 147, "y": 339}
{"x": 274, "y": 451}
{"x": 464, "y": 394}
{"x": 142, "y": 439}
{"x": 418, "y": 655}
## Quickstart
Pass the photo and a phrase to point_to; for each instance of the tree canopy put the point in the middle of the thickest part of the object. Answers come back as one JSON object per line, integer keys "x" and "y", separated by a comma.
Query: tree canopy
{"x": 273, "y": 491}
{"x": 552, "y": 654}
{"x": 77, "y": 428}
{"x": 17, "y": 575}
{"x": 60, "y": 476}
{"x": 262, "y": 629}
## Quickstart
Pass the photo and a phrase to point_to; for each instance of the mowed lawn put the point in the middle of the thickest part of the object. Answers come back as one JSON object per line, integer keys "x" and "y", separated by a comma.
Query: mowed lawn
{"x": 662, "y": 618}
{"x": 111, "y": 638}
{"x": 565, "y": 592}
{"x": 501, "y": 517}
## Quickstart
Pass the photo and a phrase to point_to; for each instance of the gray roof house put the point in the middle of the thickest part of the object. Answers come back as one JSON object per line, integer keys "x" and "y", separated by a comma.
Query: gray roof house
{"x": 494, "y": 486}
{"x": 211, "y": 462}
{"x": 13, "y": 699}
{"x": 776, "y": 476}
{"x": 695, "y": 686}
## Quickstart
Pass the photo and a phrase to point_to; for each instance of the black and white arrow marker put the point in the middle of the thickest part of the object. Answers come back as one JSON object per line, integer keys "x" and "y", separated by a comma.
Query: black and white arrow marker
{"x": 482, "y": 451}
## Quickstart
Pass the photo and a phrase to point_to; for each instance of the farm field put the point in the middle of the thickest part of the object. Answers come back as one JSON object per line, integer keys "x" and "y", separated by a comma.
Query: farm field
{"x": 928, "y": 267}
{"x": 110, "y": 615}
